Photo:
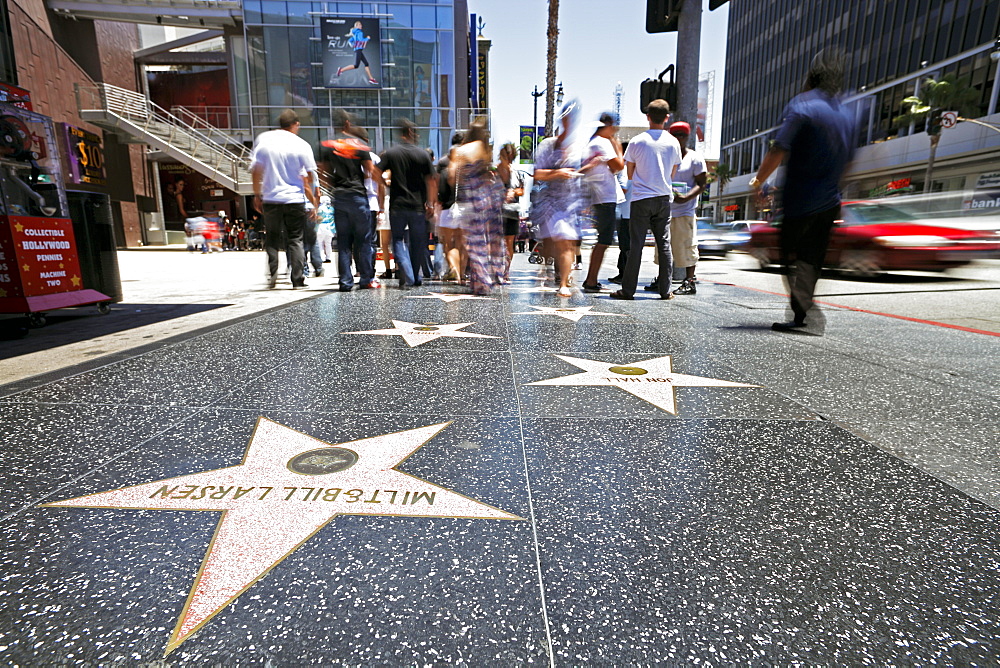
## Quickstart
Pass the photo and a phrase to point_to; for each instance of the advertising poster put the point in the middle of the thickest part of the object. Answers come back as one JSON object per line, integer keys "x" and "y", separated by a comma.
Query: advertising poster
{"x": 15, "y": 96}
{"x": 422, "y": 97}
{"x": 186, "y": 194}
{"x": 85, "y": 156}
{"x": 352, "y": 51}
{"x": 706, "y": 101}
{"x": 525, "y": 143}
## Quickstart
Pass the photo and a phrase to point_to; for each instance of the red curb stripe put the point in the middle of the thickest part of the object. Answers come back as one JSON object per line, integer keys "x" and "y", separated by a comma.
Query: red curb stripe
{"x": 934, "y": 323}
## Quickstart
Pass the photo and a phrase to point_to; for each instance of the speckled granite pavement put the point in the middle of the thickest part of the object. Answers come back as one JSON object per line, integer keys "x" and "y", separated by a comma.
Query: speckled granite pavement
{"x": 437, "y": 499}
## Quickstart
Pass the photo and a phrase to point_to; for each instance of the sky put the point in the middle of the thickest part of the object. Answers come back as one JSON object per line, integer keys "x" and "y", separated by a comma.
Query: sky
{"x": 598, "y": 47}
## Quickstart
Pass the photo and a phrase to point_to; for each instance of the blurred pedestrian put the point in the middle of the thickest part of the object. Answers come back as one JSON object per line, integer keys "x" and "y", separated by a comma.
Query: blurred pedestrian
{"x": 449, "y": 230}
{"x": 605, "y": 160}
{"x": 513, "y": 182}
{"x": 324, "y": 233}
{"x": 481, "y": 194}
{"x": 558, "y": 198}
{"x": 651, "y": 160}
{"x": 374, "y": 204}
{"x": 412, "y": 193}
{"x": 284, "y": 173}
{"x": 817, "y": 139}
{"x": 310, "y": 240}
{"x": 347, "y": 162}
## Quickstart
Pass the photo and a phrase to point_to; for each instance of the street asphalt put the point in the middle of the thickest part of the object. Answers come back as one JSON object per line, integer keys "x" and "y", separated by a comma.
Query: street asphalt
{"x": 221, "y": 474}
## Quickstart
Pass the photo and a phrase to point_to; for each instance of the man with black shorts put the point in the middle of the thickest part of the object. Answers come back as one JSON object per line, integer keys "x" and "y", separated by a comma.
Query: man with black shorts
{"x": 604, "y": 160}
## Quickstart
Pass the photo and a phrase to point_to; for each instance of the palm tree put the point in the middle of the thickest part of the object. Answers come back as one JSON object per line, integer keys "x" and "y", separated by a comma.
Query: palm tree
{"x": 723, "y": 173}
{"x": 550, "y": 65}
{"x": 950, "y": 93}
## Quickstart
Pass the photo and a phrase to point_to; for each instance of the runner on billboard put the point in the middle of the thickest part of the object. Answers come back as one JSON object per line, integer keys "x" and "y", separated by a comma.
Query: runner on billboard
{"x": 358, "y": 41}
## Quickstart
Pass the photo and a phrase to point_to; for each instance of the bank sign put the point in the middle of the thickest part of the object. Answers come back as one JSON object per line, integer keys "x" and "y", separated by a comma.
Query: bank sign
{"x": 987, "y": 193}
{"x": 352, "y": 51}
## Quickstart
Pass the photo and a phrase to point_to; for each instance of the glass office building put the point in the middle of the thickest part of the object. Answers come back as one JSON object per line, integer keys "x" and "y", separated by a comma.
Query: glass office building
{"x": 892, "y": 46}
{"x": 277, "y": 63}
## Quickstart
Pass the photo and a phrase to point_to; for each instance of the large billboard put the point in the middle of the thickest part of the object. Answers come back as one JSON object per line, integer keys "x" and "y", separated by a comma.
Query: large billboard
{"x": 352, "y": 51}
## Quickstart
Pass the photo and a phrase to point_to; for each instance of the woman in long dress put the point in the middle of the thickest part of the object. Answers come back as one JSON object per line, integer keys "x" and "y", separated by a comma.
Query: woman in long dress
{"x": 480, "y": 196}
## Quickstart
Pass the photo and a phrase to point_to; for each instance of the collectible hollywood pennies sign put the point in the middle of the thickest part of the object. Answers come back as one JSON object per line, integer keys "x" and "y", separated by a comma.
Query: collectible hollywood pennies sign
{"x": 39, "y": 257}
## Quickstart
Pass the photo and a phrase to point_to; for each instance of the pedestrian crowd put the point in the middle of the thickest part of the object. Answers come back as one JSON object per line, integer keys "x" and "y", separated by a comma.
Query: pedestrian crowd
{"x": 467, "y": 209}
{"x": 216, "y": 233}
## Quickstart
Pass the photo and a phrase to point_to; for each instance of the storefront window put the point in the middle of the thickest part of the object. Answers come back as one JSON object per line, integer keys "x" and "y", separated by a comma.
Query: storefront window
{"x": 274, "y": 12}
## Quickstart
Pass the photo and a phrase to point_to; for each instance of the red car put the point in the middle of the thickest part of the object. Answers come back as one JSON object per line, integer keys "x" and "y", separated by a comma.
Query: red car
{"x": 875, "y": 237}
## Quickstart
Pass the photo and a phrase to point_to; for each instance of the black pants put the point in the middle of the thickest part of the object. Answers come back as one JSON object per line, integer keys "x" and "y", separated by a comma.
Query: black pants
{"x": 652, "y": 213}
{"x": 285, "y": 225}
{"x": 624, "y": 244}
{"x": 804, "y": 240}
{"x": 376, "y": 241}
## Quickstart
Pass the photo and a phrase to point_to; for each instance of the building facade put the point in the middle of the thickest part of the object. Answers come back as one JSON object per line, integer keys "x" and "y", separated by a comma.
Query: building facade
{"x": 224, "y": 70}
{"x": 48, "y": 55}
{"x": 278, "y": 63}
{"x": 893, "y": 46}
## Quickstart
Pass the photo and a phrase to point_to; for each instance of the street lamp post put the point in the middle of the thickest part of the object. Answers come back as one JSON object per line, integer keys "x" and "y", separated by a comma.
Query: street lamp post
{"x": 534, "y": 125}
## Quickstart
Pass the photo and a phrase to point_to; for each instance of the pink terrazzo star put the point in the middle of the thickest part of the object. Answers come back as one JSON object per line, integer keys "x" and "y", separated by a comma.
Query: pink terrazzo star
{"x": 288, "y": 487}
{"x": 416, "y": 334}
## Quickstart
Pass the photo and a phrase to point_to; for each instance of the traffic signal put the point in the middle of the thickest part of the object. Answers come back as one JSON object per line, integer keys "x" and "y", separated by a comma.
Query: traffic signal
{"x": 934, "y": 122}
{"x": 658, "y": 89}
{"x": 662, "y": 15}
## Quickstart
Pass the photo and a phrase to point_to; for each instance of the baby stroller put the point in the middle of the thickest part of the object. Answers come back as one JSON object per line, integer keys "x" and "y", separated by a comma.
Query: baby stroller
{"x": 535, "y": 257}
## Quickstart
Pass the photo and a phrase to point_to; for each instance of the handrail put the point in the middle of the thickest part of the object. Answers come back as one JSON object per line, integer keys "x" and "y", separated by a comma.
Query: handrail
{"x": 195, "y": 121}
{"x": 146, "y": 114}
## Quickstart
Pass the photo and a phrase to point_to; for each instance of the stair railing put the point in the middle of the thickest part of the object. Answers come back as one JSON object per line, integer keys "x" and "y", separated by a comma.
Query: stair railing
{"x": 145, "y": 114}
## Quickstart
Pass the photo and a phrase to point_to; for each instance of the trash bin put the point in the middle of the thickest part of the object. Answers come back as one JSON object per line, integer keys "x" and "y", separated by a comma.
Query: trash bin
{"x": 93, "y": 226}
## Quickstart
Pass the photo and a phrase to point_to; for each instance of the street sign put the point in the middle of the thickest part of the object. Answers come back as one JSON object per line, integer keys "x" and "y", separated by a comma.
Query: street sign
{"x": 949, "y": 119}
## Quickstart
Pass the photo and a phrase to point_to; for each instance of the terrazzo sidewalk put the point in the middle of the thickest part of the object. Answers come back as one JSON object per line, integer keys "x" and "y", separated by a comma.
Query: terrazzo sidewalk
{"x": 396, "y": 477}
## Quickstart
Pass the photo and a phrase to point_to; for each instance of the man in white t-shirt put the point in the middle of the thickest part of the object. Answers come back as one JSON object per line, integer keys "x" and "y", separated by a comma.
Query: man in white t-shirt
{"x": 651, "y": 160}
{"x": 284, "y": 179}
{"x": 604, "y": 160}
{"x": 689, "y": 183}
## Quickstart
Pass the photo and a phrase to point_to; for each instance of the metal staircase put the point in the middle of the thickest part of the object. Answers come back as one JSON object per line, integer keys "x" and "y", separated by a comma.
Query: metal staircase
{"x": 184, "y": 13}
{"x": 188, "y": 140}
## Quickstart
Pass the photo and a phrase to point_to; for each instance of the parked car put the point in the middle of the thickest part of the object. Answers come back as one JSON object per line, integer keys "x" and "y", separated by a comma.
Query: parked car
{"x": 875, "y": 237}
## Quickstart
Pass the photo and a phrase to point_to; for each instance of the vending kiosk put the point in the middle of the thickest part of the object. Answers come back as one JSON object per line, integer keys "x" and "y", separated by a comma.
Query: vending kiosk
{"x": 39, "y": 266}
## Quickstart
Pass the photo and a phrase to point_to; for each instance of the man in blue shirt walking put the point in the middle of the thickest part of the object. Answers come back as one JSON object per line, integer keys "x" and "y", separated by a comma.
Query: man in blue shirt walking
{"x": 817, "y": 136}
